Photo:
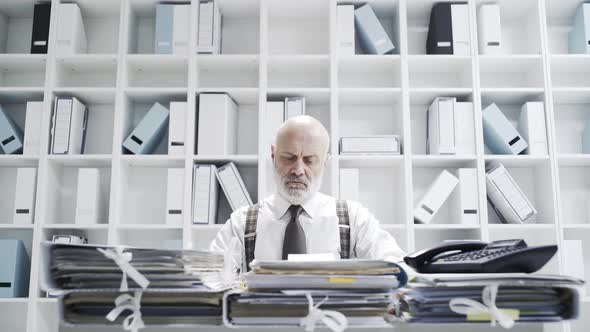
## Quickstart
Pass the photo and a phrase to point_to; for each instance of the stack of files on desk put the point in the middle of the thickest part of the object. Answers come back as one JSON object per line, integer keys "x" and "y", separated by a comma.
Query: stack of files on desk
{"x": 506, "y": 197}
{"x": 370, "y": 144}
{"x": 11, "y": 135}
{"x": 209, "y": 34}
{"x": 69, "y": 267}
{"x": 448, "y": 30}
{"x": 524, "y": 297}
{"x": 275, "y": 296}
{"x": 159, "y": 307}
{"x": 450, "y": 127}
{"x": 68, "y": 126}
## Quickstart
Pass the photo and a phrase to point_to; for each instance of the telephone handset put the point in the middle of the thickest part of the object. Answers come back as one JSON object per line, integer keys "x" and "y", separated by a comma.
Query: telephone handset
{"x": 481, "y": 257}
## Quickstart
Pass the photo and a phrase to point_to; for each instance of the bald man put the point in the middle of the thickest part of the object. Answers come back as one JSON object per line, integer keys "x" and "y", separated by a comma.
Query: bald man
{"x": 298, "y": 219}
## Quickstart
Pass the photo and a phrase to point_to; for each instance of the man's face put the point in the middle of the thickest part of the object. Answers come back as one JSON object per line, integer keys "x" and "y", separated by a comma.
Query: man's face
{"x": 299, "y": 159}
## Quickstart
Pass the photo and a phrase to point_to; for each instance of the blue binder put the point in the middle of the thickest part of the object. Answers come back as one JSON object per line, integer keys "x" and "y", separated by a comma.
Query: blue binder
{"x": 579, "y": 36}
{"x": 372, "y": 36}
{"x": 149, "y": 132}
{"x": 14, "y": 269}
{"x": 164, "y": 28}
{"x": 499, "y": 134}
{"x": 11, "y": 136}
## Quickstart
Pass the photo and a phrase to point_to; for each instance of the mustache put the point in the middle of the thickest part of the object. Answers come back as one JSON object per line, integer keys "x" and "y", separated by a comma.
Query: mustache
{"x": 295, "y": 178}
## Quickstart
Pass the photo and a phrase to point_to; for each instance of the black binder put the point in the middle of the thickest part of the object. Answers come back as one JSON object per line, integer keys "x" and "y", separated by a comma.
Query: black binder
{"x": 40, "y": 35}
{"x": 440, "y": 30}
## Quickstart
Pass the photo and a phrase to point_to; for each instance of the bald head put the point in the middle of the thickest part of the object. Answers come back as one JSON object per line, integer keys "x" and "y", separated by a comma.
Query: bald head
{"x": 305, "y": 128}
{"x": 299, "y": 156}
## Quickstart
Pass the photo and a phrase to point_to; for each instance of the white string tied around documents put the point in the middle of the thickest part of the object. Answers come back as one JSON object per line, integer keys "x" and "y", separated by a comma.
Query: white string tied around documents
{"x": 334, "y": 320}
{"x": 123, "y": 259}
{"x": 467, "y": 306}
{"x": 123, "y": 302}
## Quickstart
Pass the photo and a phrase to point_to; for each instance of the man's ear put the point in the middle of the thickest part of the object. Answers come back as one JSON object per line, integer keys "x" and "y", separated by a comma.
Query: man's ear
{"x": 272, "y": 152}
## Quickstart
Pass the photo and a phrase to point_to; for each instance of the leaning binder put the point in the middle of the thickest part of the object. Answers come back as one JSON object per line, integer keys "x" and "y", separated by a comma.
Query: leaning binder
{"x": 233, "y": 186}
{"x": 506, "y": 197}
{"x": 205, "y": 194}
{"x": 40, "y": 33}
{"x": 435, "y": 196}
{"x": 371, "y": 35}
{"x": 499, "y": 134}
{"x": 11, "y": 136}
{"x": 149, "y": 132}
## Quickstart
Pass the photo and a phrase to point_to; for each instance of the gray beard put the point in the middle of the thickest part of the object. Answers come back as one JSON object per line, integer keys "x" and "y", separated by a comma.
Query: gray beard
{"x": 297, "y": 196}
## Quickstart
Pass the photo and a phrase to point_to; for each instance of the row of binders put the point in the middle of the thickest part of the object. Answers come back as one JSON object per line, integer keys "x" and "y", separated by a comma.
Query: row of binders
{"x": 503, "y": 193}
{"x": 450, "y": 129}
{"x": 173, "y": 23}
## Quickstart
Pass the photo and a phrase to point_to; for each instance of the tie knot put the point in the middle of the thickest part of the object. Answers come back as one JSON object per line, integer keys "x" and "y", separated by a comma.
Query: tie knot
{"x": 295, "y": 211}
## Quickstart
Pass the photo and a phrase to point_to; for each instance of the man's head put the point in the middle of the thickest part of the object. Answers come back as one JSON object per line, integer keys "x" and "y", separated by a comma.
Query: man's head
{"x": 299, "y": 156}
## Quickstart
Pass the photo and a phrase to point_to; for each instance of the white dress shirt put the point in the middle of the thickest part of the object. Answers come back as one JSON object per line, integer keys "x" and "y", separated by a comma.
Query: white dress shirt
{"x": 320, "y": 224}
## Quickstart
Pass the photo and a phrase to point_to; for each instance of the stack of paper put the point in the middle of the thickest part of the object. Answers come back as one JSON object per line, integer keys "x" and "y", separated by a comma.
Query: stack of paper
{"x": 172, "y": 308}
{"x": 522, "y": 297}
{"x": 85, "y": 267}
{"x": 279, "y": 292}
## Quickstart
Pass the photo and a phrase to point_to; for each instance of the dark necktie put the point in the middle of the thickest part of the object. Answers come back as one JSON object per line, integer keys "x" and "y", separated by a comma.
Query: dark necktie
{"x": 294, "y": 242}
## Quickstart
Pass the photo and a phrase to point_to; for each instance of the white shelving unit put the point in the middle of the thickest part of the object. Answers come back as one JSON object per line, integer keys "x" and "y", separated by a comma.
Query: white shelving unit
{"x": 277, "y": 48}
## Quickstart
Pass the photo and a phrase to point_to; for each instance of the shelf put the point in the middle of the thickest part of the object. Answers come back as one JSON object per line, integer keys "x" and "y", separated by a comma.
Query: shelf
{"x": 518, "y": 160}
{"x": 298, "y": 71}
{"x": 22, "y": 71}
{"x": 86, "y": 71}
{"x": 511, "y": 72}
{"x": 83, "y": 160}
{"x": 240, "y": 32}
{"x": 370, "y": 160}
{"x": 148, "y": 227}
{"x": 153, "y": 160}
{"x": 242, "y": 96}
{"x": 18, "y": 161}
{"x": 440, "y": 71}
{"x": 442, "y": 160}
{"x": 157, "y": 71}
{"x": 15, "y": 226}
{"x": 445, "y": 226}
{"x": 425, "y": 96}
{"x": 223, "y": 71}
{"x": 513, "y": 227}
{"x": 573, "y": 160}
{"x": 375, "y": 71}
{"x": 246, "y": 160}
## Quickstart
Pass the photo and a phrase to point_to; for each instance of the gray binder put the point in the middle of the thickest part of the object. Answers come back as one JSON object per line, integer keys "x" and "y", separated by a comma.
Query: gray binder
{"x": 145, "y": 137}
{"x": 11, "y": 136}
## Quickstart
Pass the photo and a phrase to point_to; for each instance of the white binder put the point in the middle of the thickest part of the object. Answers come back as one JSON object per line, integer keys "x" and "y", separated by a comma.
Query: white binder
{"x": 349, "y": 184}
{"x": 175, "y": 197}
{"x": 176, "y": 128}
{"x": 435, "y": 196}
{"x": 218, "y": 125}
{"x": 32, "y": 136}
{"x": 209, "y": 35}
{"x": 441, "y": 126}
{"x": 71, "y": 36}
{"x": 233, "y": 186}
{"x": 489, "y": 29}
{"x": 506, "y": 197}
{"x": 180, "y": 29}
{"x": 464, "y": 205}
{"x": 274, "y": 115}
{"x": 89, "y": 199}
{"x": 294, "y": 106}
{"x": 464, "y": 128}
{"x": 346, "y": 36}
{"x": 460, "y": 29}
{"x": 68, "y": 126}
{"x": 205, "y": 194}
{"x": 24, "y": 196}
{"x": 531, "y": 125}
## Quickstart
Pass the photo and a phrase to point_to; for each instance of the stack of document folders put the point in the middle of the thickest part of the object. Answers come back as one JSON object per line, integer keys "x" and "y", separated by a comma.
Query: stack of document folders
{"x": 280, "y": 293}
{"x": 167, "y": 287}
{"x": 472, "y": 298}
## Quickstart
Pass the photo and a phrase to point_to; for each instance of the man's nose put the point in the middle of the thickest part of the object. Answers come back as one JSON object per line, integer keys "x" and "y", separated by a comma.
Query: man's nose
{"x": 298, "y": 168}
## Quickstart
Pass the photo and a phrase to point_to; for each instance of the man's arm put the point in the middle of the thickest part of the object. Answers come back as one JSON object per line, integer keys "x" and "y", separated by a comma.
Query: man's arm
{"x": 231, "y": 238}
{"x": 372, "y": 241}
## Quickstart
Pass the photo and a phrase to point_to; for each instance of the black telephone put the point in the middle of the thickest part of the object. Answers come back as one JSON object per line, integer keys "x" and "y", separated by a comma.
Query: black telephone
{"x": 480, "y": 257}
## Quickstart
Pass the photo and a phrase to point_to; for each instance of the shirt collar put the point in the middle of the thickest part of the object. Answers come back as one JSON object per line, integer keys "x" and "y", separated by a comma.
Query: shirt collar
{"x": 280, "y": 205}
